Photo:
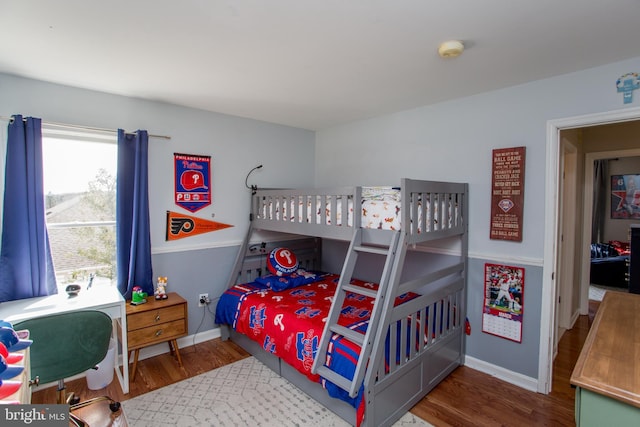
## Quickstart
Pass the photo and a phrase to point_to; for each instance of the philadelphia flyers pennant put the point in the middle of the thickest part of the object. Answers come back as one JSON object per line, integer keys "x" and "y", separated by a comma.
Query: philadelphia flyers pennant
{"x": 181, "y": 225}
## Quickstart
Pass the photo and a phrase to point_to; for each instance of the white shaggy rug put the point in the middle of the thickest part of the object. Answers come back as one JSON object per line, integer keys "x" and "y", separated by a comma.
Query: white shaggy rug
{"x": 244, "y": 393}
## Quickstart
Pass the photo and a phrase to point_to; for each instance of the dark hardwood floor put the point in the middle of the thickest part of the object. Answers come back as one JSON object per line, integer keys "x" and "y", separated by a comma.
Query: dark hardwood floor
{"x": 158, "y": 371}
{"x": 466, "y": 398}
{"x": 471, "y": 398}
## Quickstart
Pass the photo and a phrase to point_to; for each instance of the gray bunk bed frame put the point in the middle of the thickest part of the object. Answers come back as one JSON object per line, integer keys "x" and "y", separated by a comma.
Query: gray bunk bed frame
{"x": 388, "y": 392}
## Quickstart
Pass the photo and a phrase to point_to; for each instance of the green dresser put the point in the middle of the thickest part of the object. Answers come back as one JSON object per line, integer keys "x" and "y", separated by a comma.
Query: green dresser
{"x": 597, "y": 410}
{"x": 607, "y": 374}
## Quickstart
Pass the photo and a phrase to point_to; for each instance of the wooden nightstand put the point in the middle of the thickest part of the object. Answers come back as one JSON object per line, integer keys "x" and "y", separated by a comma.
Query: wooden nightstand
{"x": 155, "y": 322}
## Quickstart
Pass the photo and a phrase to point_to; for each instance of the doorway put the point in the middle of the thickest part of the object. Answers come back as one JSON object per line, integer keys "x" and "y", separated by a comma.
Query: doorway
{"x": 553, "y": 232}
{"x": 568, "y": 202}
{"x": 590, "y": 158}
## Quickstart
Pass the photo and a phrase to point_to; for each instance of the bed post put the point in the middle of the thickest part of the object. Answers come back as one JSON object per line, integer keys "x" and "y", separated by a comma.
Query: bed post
{"x": 465, "y": 261}
{"x": 237, "y": 266}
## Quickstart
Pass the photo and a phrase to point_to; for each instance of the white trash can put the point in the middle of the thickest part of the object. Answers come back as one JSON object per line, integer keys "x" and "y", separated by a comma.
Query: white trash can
{"x": 102, "y": 377}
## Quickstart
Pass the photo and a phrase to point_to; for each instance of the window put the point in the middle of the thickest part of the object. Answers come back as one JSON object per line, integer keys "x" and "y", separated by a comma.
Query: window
{"x": 80, "y": 202}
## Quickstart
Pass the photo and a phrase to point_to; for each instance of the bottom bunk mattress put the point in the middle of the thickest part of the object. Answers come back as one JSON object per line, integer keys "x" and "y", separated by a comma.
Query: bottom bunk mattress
{"x": 289, "y": 322}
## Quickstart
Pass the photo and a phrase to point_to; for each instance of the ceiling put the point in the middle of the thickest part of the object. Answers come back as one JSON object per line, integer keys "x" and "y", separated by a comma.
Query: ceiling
{"x": 311, "y": 64}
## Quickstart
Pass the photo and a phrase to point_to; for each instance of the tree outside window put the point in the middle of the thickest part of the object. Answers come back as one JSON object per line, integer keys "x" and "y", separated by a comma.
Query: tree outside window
{"x": 80, "y": 200}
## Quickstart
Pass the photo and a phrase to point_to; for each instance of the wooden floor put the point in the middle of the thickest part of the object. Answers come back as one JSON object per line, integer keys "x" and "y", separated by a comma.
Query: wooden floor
{"x": 470, "y": 398}
{"x": 466, "y": 398}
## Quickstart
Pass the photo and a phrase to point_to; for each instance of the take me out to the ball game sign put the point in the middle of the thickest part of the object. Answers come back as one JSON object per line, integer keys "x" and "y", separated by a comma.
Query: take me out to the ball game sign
{"x": 507, "y": 193}
{"x": 192, "y": 181}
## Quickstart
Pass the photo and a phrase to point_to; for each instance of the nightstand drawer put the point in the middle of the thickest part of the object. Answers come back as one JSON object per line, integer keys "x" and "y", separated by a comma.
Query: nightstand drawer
{"x": 156, "y": 334}
{"x": 155, "y": 322}
{"x": 154, "y": 317}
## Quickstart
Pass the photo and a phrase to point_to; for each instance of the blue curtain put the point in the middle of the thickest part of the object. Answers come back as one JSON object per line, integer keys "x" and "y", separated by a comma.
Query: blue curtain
{"x": 26, "y": 266}
{"x": 133, "y": 239}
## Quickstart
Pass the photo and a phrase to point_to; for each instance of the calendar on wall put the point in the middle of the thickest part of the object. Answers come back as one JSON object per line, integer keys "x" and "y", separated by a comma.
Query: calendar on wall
{"x": 503, "y": 301}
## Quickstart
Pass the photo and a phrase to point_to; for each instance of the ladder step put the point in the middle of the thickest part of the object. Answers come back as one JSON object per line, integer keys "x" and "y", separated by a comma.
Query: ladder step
{"x": 372, "y": 250}
{"x": 359, "y": 290}
{"x": 335, "y": 378}
{"x": 350, "y": 334}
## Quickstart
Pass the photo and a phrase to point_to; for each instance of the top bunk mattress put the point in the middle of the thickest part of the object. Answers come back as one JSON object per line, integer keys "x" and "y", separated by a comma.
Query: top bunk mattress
{"x": 380, "y": 208}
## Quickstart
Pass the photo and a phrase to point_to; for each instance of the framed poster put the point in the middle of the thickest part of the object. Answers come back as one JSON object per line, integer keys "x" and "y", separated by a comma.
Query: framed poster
{"x": 192, "y": 181}
{"x": 625, "y": 196}
{"x": 503, "y": 301}
{"x": 507, "y": 193}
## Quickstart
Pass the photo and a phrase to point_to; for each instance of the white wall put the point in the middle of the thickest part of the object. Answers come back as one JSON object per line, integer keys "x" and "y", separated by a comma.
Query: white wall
{"x": 196, "y": 264}
{"x": 235, "y": 145}
{"x": 453, "y": 141}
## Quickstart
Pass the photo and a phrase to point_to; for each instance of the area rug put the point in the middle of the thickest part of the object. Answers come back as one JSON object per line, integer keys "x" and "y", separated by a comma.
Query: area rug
{"x": 244, "y": 393}
{"x": 596, "y": 292}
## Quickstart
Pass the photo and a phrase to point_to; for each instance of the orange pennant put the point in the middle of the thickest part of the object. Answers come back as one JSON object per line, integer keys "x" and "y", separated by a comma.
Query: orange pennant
{"x": 181, "y": 225}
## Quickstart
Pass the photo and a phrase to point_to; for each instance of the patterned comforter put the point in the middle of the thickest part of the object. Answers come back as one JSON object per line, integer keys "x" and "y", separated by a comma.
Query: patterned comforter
{"x": 289, "y": 324}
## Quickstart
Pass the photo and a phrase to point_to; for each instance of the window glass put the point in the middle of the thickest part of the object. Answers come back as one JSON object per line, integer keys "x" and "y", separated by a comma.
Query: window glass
{"x": 80, "y": 203}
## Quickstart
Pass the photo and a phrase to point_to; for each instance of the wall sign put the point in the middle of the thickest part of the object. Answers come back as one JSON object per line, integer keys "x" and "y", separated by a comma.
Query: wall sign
{"x": 626, "y": 85}
{"x": 192, "y": 181}
{"x": 507, "y": 193}
{"x": 503, "y": 301}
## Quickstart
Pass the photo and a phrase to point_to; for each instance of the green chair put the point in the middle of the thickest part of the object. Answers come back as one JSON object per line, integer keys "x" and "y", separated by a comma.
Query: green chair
{"x": 65, "y": 345}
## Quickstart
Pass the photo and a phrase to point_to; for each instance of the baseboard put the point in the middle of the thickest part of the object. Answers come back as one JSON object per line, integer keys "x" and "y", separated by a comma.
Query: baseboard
{"x": 158, "y": 349}
{"x": 523, "y": 381}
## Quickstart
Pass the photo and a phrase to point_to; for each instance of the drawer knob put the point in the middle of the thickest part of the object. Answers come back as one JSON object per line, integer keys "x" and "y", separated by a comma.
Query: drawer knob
{"x": 159, "y": 332}
{"x": 158, "y": 317}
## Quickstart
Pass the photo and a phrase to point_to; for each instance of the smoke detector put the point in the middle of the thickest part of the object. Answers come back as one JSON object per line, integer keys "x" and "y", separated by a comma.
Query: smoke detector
{"x": 450, "y": 49}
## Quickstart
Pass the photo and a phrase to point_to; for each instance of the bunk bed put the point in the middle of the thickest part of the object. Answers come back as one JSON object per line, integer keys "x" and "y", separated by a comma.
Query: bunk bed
{"x": 410, "y": 333}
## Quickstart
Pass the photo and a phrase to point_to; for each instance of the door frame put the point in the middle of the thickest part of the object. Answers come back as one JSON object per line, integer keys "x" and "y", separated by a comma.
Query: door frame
{"x": 566, "y": 237}
{"x": 552, "y": 203}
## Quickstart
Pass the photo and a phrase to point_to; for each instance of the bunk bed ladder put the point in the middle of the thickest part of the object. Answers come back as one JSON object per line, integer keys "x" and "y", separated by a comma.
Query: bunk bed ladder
{"x": 344, "y": 288}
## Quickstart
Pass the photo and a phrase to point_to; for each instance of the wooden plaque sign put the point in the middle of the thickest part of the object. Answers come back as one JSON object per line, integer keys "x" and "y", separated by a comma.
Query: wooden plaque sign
{"x": 507, "y": 194}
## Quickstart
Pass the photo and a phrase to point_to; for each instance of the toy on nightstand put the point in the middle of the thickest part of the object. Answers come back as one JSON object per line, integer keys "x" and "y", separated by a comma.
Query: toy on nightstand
{"x": 161, "y": 288}
{"x": 138, "y": 297}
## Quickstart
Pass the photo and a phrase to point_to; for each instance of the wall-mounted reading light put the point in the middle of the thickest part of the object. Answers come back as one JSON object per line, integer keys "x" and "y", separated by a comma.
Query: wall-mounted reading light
{"x": 253, "y": 188}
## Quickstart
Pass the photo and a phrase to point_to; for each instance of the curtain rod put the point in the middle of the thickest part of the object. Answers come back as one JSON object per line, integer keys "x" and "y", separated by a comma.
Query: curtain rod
{"x": 88, "y": 128}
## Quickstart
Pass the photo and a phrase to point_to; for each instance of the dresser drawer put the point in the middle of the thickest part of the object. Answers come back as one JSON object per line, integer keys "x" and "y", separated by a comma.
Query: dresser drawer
{"x": 154, "y": 317}
{"x": 155, "y": 322}
{"x": 156, "y": 334}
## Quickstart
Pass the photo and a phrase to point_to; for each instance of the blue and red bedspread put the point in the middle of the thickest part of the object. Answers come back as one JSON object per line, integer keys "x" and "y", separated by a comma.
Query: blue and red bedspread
{"x": 289, "y": 324}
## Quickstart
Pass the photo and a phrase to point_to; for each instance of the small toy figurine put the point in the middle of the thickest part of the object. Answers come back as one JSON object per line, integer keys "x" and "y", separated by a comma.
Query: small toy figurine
{"x": 161, "y": 288}
{"x": 138, "y": 297}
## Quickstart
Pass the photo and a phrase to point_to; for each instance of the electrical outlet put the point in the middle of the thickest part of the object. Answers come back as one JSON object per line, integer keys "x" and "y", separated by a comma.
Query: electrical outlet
{"x": 203, "y": 299}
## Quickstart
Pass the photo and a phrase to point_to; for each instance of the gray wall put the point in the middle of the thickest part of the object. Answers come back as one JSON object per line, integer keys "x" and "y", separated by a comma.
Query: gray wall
{"x": 201, "y": 263}
{"x": 452, "y": 141}
{"x": 194, "y": 272}
{"x": 517, "y": 357}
